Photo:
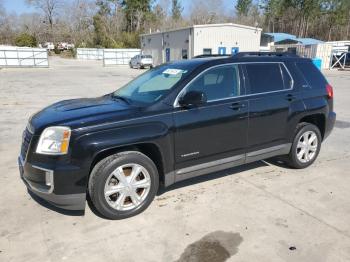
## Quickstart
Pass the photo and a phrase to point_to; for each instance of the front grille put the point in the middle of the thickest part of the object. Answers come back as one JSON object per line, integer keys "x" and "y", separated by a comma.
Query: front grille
{"x": 27, "y": 136}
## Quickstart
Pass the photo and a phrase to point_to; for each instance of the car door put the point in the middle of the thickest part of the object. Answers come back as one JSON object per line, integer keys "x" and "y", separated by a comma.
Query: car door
{"x": 213, "y": 135}
{"x": 271, "y": 95}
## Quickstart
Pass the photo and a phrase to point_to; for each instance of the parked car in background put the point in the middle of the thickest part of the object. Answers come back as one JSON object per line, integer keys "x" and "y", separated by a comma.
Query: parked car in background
{"x": 48, "y": 45}
{"x": 64, "y": 46}
{"x": 180, "y": 120}
{"x": 141, "y": 61}
{"x": 70, "y": 46}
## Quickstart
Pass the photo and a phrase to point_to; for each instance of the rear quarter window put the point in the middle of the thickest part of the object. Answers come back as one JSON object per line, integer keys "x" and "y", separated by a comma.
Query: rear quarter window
{"x": 264, "y": 77}
{"x": 312, "y": 75}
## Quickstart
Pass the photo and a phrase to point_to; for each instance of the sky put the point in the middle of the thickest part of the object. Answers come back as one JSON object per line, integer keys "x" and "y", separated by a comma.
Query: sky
{"x": 16, "y": 6}
{"x": 20, "y": 6}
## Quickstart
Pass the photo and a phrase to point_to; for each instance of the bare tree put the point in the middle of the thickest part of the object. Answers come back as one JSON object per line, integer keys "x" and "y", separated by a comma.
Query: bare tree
{"x": 207, "y": 12}
{"x": 50, "y": 9}
{"x": 77, "y": 21}
{"x": 7, "y": 28}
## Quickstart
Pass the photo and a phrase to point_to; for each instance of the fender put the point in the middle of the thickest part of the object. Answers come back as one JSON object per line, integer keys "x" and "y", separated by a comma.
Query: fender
{"x": 156, "y": 130}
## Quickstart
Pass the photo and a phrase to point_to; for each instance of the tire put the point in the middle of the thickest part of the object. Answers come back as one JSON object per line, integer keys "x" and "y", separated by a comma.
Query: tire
{"x": 106, "y": 177}
{"x": 302, "y": 131}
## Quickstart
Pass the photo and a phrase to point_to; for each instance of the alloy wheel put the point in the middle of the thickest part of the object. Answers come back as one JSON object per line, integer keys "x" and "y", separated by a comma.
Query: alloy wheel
{"x": 127, "y": 187}
{"x": 307, "y": 146}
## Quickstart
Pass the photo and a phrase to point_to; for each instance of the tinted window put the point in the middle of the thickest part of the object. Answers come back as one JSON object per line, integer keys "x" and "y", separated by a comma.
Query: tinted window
{"x": 264, "y": 77}
{"x": 217, "y": 83}
{"x": 312, "y": 75}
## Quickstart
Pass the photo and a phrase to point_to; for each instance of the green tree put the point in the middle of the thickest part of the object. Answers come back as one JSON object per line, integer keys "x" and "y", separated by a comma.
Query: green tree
{"x": 336, "y": 12}
{"x": 136, "y": 13}
{"x": 272, "y": 10}
{"x": 101, "y": 37}
{"x": 25, "y": 39}
{"x": 242, "y": 7}
{"x": 176, "y": 9}
{"x": 104, "y": 7}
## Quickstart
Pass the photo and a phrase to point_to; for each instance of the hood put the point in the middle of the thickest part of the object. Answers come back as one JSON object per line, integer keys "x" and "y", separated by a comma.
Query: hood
{"x": 78, "y": 113}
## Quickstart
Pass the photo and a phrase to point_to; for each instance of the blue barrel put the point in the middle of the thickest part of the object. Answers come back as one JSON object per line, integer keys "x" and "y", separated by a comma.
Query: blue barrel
{"x": 317, "y": 62}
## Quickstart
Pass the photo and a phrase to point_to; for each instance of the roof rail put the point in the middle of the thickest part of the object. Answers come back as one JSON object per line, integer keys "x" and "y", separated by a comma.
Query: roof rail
{"x": 265, "y": 54}
{"x": 211, "y": 55}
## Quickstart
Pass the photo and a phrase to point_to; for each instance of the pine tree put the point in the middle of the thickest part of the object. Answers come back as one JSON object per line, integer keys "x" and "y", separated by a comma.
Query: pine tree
{"x": 242, "y": 7}
{"x": 176, "y": 10}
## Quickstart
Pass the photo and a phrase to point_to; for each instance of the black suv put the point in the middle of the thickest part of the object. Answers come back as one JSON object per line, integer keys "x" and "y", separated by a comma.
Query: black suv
{"x": 176, "y": 121}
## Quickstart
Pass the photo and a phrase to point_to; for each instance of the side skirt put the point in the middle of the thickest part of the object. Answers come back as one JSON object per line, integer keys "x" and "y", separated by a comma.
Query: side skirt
{"x": 225, "y": 163}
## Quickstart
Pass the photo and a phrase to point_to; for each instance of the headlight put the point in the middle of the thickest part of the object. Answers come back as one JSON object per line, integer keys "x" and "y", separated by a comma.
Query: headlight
{"x": 54, "y": 141}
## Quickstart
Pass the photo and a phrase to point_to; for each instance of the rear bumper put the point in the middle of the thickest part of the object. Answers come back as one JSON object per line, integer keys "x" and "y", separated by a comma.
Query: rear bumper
{"x": 146, "y": 64}
{"x": 40, "y": 181}
{"x": 332, "y": 116}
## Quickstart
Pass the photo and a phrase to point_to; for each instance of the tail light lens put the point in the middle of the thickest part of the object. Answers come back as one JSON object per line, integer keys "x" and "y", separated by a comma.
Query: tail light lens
{"x": 329, "y": 89}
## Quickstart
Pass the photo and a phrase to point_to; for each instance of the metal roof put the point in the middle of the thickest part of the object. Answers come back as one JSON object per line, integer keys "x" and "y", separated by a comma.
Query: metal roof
{"x": 204, "y": 26}
{"x": 303, "y": 41}
{"x": 308, "y": 41}
{"x": 280, "y": 36}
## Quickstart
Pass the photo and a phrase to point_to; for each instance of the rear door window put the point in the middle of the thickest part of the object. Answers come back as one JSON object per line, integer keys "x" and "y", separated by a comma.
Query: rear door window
{"x": 312, "y": 74}
{"x": 264, "y": 77}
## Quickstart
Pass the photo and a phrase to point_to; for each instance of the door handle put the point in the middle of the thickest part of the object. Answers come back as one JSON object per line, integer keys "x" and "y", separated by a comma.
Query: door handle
{"x": 290, "y": 97}
{"x": 237, "y": 106}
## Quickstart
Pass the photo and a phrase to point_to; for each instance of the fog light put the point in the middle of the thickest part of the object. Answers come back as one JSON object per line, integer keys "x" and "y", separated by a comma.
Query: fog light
{"x": 48, "y": 178}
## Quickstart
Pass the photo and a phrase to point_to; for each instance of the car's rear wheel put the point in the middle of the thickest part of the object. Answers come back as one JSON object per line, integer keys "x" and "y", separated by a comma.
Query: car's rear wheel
{"x": 306, "y": 146}
{"x": 123, "y": 185}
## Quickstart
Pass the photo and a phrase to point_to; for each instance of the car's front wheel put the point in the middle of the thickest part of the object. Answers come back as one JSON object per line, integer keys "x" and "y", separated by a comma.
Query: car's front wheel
{"x": 123, "y": 185}
{"x": 306, "y": 146}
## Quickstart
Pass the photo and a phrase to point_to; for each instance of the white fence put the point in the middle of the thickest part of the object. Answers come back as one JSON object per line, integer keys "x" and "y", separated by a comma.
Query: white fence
{"x": 90, "y": 53}
{"x": 118, "y": 56}
{"x": 109, "y": 56}
{"x": 23, "y": 57}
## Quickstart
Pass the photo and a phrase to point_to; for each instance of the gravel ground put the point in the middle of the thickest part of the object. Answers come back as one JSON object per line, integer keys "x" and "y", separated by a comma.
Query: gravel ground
{"x": 257, "y": 212}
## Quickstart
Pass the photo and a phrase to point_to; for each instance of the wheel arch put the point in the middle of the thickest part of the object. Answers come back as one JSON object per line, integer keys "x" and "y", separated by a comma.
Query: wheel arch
{"x": 149, "y": 149}
{"x": 318, "y": 120}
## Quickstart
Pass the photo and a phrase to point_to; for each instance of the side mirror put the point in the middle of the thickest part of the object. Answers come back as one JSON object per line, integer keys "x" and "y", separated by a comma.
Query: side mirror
{"x": 193, "y": 98}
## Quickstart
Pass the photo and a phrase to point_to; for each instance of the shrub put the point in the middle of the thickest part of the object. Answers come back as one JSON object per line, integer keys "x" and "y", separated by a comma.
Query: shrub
{"x": 56, "y": 50}
{"x": 25, "y": 39}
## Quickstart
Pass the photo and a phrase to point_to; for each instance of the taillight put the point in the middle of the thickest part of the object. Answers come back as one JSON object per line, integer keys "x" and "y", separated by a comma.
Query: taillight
{"x": 329, "y": 89}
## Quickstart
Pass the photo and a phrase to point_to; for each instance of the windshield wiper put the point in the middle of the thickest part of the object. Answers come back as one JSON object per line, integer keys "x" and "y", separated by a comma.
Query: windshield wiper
{"x": 126, "y": 100}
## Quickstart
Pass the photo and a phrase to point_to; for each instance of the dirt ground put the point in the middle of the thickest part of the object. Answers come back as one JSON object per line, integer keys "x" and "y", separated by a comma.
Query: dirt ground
{"x": 257, "y": 212}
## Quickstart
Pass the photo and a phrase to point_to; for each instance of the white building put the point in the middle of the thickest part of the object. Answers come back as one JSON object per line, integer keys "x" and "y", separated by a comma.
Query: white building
{"x": 185, "y": 43}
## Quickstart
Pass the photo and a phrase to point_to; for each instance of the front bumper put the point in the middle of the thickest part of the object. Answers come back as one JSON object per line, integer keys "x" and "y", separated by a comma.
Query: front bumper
{"x": 40, "y": 181}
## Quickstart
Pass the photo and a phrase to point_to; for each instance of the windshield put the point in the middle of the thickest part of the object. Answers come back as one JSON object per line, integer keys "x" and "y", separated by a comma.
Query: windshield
{"x": 154, "y": 84}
